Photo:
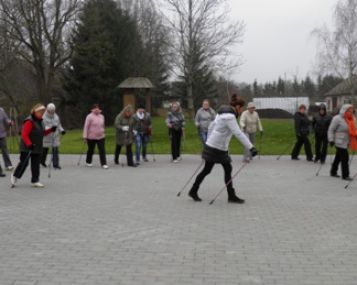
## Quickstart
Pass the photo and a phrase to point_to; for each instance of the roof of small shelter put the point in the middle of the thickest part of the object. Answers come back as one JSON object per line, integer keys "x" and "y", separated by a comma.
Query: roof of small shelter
{"x": 344, "y": 88}
{"x": 136, "y": 83}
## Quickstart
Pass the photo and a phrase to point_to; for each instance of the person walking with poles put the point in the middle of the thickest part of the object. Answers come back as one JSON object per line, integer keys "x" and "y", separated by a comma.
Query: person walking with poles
{"x": 342, "y": 134}
{"x": 320, "y": 124}
{"x": 50, "y": 118}
{"x": 216, "y": 148}
{"x": 31, "y": 144}
{"x": 204, "y": 117}
{"x": 5, "y": 123}
{"x": 125, "y": 133}
{"x": 94, "y": 134}
{"x": 302, "y": 131}
{"x": 250, "y": 124}
{"x": 143, "y": 128}
{"x": 175, "y": 121}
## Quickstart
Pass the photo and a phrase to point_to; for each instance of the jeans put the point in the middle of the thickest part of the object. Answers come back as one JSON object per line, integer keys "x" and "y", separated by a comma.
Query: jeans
{"x": 5, "y": 152}
{"x": 141, "y": 142}
{"x": 247, "y": 153}
{"x": 54, "y": 156}
{"x": 203, "y": 136}
{"x": 101, "y": 148}
{"x": 35, "y": 166}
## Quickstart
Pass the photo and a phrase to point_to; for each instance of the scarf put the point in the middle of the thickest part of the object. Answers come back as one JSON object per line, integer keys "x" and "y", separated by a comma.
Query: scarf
{"x": 140, "y": 115}
{"x": 351, "y": 130}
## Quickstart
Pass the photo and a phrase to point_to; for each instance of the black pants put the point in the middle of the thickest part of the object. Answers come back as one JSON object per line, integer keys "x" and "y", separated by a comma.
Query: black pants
{"x": 101, "y": 148}
{"x": 35, "y": 166}
{"x": 5, "y": 152}
{"x": 302, "y": 140}
{"x": 321, "y": 146}
{"x": 227, "y": 167}
{"x": 129, "y": 154}
{"x": 176, "y": 136}
{"x": 54, "y": 156}
{"x": 341, "y": 157}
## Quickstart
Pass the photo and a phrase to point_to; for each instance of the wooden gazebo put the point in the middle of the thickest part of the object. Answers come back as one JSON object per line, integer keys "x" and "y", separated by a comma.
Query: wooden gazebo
{"x": 131, "y": 85}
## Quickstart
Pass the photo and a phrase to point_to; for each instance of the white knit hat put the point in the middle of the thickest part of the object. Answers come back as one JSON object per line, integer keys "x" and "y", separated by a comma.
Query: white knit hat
{"x": 51, "y": 107}
{"x": 251, "y": 105}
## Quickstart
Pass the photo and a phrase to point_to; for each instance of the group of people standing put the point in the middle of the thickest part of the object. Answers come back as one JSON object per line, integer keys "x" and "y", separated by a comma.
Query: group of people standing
{"x": 338, "y": 131}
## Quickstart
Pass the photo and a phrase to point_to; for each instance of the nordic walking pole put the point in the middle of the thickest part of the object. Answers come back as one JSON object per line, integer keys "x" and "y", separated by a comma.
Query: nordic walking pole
{"x": 152, "y": 150}
{"x": 188, "y": 182}
{"x": 25, "y": 162}
{"x": 285, "y": 150}
{"x": 51, "y": 162}
{"x": 349, "y": 183}
{"x": 230, "y": 181}
{"x": 81, "y": 154}
{"x": 260, "y": 144}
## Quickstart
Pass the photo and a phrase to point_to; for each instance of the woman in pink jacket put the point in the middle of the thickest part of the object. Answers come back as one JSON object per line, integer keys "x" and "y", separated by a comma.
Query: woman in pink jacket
{"x": 94, "y": 134}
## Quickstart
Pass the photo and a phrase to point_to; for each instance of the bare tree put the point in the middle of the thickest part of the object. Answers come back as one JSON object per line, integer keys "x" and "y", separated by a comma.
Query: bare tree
{"x": 338, "y": 47}
{"x": 40, "y": 30}
{"x": 204, "y": 37}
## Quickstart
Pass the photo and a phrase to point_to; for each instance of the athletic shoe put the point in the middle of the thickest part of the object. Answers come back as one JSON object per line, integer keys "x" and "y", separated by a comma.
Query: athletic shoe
{"x": 295, "y": 158}
{"x": 235, "y": 200}
{"x": 10, "y": 168}
{"x": 57, "y": 167}
{"x": 145, "y": 159}
{"x": 2, "y": 175}
{"x": 348, "y": 179}
{"x": 38, "y": 185}
{"x": 105, "y": 166}
{"x": 193, "y": 194}
{"x": 13, "y": 180}
{"x": 89, "y": 164}
{"x": 137, "y": 163}
{"x": 246, "y": 161}
{"x": 44, "y": 165}
{"x": 179, "y": 158}
{"x": 132, "y": 165}
{"x": 175, "y": 161}
{"x": 335, "y": 175}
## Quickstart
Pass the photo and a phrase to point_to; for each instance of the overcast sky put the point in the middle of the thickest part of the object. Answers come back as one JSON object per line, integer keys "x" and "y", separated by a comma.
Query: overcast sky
{"x": 278, "y": 37}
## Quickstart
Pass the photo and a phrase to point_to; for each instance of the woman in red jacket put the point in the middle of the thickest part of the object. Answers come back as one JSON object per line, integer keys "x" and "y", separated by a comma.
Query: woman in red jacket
{"x": 31, "y": 146}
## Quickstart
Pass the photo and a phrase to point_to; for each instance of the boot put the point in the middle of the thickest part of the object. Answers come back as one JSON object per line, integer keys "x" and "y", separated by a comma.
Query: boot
{"x": 233, "y": 198}
{"x": 193, "y": 194}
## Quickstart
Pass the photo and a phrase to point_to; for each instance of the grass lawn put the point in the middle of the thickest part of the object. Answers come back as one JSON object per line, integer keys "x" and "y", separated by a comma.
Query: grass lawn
{"x": 278, "y": 137}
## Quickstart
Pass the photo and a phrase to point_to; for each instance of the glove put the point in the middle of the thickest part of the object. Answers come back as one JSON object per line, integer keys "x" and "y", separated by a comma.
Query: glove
{"x": 135, "y": 132}
{"x": 63, "y": 133}
{"x": 125, "y": 128}
{"x": 253, "y": 151}
{"x": 149, "y": 132}
{"x": 332, "y": 144}
{"x": 53, "y": 129}
{"x": 30, "y": 147}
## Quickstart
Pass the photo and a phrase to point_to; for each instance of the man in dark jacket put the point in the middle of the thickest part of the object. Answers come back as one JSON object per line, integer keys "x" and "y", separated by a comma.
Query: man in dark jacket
{"x": 320, "y": 124}
{"x": 302, "y": 130}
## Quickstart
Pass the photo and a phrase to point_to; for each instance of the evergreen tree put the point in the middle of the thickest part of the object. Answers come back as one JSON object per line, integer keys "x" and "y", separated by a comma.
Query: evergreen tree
{"x": 107, "y": 49}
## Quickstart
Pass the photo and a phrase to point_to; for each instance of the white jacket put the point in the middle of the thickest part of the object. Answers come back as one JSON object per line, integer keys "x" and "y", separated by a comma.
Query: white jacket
{"x": 250, "y": 122}
{"x": 221, "y": 131}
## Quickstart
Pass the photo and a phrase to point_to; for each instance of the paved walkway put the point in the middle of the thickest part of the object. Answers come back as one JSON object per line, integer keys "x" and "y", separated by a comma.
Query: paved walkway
{"x": 126, "y": 226}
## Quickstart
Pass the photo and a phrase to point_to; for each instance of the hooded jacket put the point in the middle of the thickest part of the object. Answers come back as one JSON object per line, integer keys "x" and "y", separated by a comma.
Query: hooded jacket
{"x": 321, "y": 123}
{"x": 338, "y": 131}
{"x": 223, "y": 128}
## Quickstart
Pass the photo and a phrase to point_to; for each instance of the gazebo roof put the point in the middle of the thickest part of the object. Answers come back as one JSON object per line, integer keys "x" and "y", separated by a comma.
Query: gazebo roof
{"x": 344, "y": 88}
{"x": 136, "y": 83}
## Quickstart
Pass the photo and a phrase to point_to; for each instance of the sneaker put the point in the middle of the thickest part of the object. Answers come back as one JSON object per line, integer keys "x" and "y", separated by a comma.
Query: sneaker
{"x": 10, "y": 168}
{"x": 38, "y": 185}
{"x": 13, "y": 180}
{"x": 179, "y": 158}
{"x": 44, "y": 165}
{"x": 175, "y": 161}
{"x": 137, "y": 163}
{"x": 193, "y": 194}
{"x": 2, "y": 175}
{"x": 89, "y": 164}
{"x": 145, "y": 159}
{"x": 105, "y": 166}
{"x": 295, "y": 158}
{"x": 335, "y": 175}
{"x": 57, "y": 167}
{"x": 246, "y": 161}
{"x": 348, "y": 179}
{"x": 236, "y": 200}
